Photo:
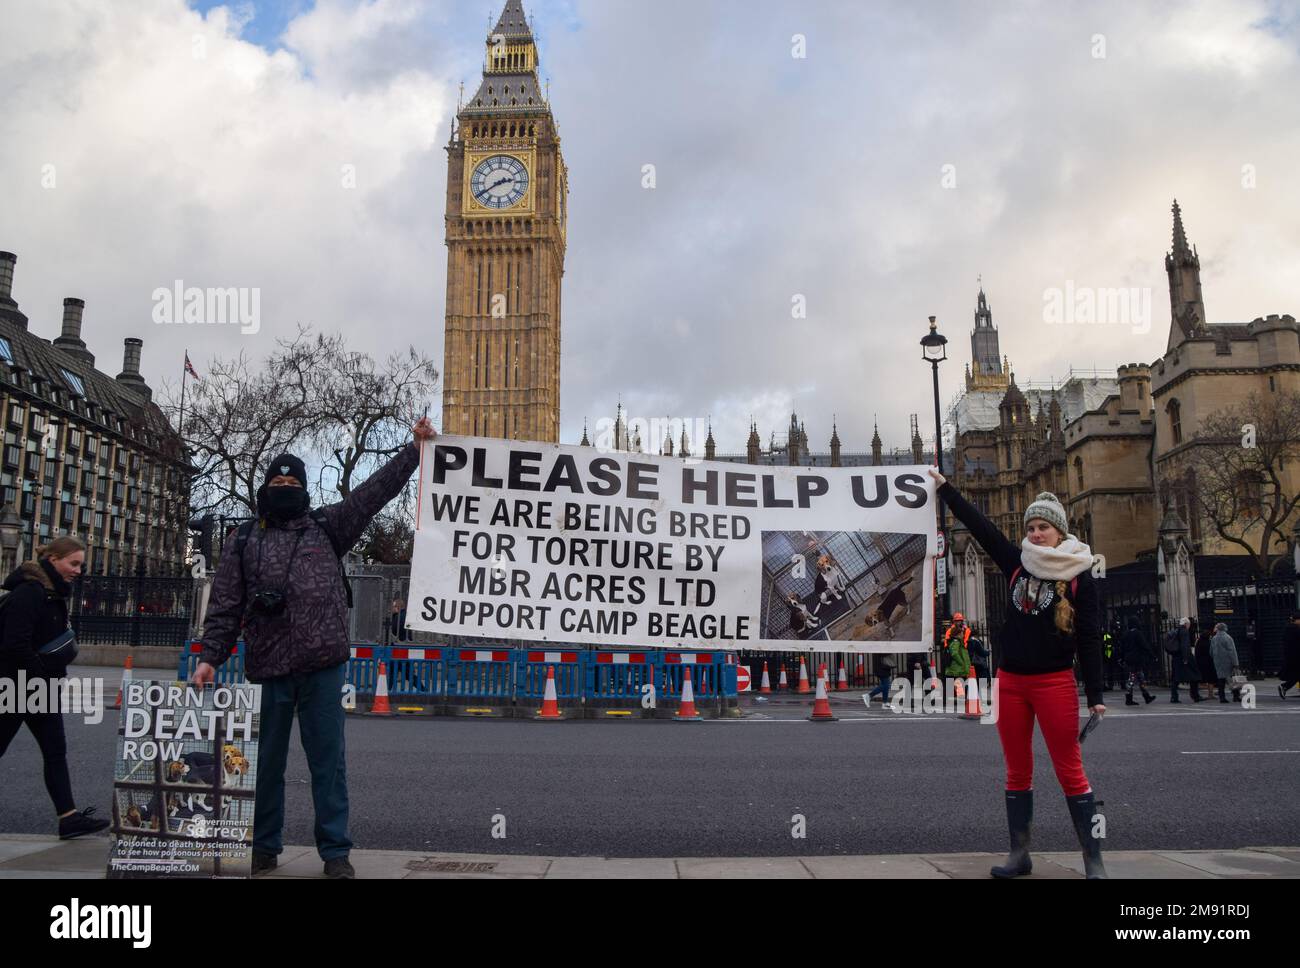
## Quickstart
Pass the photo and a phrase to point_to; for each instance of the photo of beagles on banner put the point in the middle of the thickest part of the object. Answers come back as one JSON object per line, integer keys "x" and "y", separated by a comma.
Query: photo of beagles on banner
{"x": 846, "y": 586}
{"x": 184, "y": 781}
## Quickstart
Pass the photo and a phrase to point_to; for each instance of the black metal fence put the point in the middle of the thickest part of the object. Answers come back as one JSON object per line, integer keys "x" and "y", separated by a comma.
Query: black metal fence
{"x": 107, "y": 610}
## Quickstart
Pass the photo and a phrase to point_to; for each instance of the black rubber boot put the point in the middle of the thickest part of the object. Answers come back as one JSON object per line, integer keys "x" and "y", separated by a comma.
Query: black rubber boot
{"x": 1082, "y": 810}
{"x": 1129, "y": 700}
{"x": 1148, "y": 697}
{"x": 1020, "y": 815}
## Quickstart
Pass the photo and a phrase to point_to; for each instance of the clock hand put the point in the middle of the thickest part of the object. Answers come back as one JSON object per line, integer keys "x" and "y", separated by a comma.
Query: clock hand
{"x": 495, "y": 184}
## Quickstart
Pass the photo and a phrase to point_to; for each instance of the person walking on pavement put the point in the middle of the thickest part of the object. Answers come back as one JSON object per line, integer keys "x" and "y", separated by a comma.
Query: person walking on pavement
{"x": 885, "y": 670}
{"x": 1054, "y": 615}
{"x": 956, "y": 658}
{"x": 1179, "y": 646}
{"x": 1136, "y": 654}
{"x": 34, "y": 613}
{"x": 1204, "y": 658}
{"x": 281, "y": 578}
{"x": 1290, "y": 674}
{"x": 1226, "y": 662}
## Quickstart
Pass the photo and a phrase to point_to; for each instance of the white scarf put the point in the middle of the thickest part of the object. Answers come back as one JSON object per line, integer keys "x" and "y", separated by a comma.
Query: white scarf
{"x": 1067, "y": 560}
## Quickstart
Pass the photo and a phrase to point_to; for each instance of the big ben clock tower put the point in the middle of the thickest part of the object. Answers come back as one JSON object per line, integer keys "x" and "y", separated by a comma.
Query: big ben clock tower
{"x": 506, "y": 218}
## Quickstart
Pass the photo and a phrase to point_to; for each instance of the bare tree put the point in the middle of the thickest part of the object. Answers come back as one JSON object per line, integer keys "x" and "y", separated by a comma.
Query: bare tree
{"x": 1240, "y": 468}
{"x": 334, "y": 407}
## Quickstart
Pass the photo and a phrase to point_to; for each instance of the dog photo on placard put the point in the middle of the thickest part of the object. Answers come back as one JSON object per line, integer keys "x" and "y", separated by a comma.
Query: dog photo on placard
{"x": 857, "y": 586}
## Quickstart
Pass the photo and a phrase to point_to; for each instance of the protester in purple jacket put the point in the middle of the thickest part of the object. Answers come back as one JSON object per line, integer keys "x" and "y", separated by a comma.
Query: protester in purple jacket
{"x": 282, "y": 582}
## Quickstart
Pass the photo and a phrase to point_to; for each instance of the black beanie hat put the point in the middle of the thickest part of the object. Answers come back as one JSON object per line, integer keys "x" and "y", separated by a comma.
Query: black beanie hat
{"x": 288, "y": 466}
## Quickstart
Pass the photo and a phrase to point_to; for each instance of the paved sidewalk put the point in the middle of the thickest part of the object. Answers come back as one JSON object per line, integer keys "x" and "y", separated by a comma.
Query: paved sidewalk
{"x": 31, "y": 856}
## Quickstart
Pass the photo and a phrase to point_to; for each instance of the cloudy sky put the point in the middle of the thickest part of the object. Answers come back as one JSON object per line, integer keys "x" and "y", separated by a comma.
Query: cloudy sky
{"x": 911, "y": 149}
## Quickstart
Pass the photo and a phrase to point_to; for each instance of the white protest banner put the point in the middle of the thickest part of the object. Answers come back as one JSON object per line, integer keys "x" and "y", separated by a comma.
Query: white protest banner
{"x": 546, "y": 542}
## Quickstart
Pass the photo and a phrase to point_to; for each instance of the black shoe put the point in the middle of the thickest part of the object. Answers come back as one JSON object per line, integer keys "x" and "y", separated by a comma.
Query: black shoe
{"x": 1130, "y": 701}
{"x": 339, "y": 869}
{"x": 80, "y": 823}
{"x": 1225, "y": 701}
{"x": 1148, "y": 697}
{"x": 1020, "y": 814}
{"x": 1173, "y": 699}
{"x": 263, "y": 863}
{"x": 1082, "y": 810}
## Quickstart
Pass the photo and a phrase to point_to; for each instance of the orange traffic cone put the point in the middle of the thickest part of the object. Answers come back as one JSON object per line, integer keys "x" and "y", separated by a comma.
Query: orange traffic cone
{"x": 804, "y": 688}
{"x": 821, "y": 712}
{"x": 973, "y": 710}
{"x": 782, "y": 683}
{"x": 686, "y": 711}
{"x": 550, "y": 704}
{"x": 843, "y": 682}
{"x": 766, "y": 686}
{"x": 126, "y": 677}
{"x": 380, "y": 706}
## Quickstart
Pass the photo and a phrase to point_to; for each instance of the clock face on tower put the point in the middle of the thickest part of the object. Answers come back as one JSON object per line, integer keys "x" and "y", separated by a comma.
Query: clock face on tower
{"x": 499, "y": 181}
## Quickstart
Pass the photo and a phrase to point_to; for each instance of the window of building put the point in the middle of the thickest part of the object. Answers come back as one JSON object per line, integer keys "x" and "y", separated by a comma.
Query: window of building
{"x": 74, "y": 382}
{"x": 6, "y": 350}
{"x": 1175, "y": 421}
{"x": 1078, "y": 472}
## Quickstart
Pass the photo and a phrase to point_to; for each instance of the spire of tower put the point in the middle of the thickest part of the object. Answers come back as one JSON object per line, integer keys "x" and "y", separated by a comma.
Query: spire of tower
{"x": 1180, "y": 234}
{"x": 584, "y": 442}
{"x": 1186, "y": 303}
{"x": 513, "y": 24}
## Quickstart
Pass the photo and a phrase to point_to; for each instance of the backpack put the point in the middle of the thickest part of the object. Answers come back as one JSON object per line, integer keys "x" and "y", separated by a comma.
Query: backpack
{"x": 316, "y": 514}
{"x": 1172, "y": 644}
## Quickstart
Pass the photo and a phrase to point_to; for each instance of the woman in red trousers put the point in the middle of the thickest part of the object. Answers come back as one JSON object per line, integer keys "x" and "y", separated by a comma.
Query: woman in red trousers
{"x": 1054, "y": 615}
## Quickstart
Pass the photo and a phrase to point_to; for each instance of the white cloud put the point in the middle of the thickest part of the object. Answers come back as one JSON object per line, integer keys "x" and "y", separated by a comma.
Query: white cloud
{"x": 776, "y": 176}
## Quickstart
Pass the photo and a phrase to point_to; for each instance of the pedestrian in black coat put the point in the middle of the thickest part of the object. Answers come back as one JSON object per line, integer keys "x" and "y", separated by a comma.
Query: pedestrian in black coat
{"x": 1136, "y": 655}
{"x": 1183, "y": 661}
{"x": 34, "y": 613}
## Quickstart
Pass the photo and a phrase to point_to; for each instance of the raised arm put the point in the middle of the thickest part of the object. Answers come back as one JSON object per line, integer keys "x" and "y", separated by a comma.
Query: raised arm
{"x": 1004, "y": 553}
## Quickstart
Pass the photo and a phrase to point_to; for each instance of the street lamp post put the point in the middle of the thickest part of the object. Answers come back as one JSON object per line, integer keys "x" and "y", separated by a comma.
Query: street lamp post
{"x": 934, "y": 350}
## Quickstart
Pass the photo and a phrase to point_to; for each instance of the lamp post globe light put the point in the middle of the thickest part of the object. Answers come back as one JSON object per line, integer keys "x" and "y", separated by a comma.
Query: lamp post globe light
{"x": 934, "y": 350}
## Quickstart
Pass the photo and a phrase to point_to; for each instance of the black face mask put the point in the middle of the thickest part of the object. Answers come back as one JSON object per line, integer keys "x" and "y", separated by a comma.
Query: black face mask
{"x": 286, "y": 502}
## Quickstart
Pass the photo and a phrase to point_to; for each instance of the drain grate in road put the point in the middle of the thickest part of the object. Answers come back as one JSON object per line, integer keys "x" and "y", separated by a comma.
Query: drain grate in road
{"x": 451, "y": 866}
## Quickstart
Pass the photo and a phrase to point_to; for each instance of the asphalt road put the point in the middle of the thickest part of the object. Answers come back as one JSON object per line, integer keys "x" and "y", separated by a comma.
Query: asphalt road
{"x": 1171, "y": 777}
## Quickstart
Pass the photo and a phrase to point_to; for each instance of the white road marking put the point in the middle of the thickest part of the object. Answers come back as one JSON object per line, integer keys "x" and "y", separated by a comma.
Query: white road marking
{"x": 1234, "y": 752}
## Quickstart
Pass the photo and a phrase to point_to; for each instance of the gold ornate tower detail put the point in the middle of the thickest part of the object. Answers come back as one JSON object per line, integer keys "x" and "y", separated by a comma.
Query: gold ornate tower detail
{"x": 507, "y": 204}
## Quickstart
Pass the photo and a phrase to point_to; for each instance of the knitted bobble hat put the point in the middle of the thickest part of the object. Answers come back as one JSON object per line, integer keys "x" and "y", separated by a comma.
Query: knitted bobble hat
{"x": 1048, "y": 507}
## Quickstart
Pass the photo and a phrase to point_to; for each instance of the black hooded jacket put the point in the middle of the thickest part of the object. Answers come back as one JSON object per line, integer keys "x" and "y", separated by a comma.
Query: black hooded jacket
{"x": 33, "y": 613}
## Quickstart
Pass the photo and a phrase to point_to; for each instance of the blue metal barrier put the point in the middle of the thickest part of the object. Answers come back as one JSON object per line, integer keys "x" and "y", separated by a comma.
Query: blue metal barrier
{"x": 363, "y": 668}
{"x": 228, "y": 673}
{"x": 480, "y": 681}
{"x": 487, "y": 681}
{"x": 530, "y": 675}
{"x": 417, "y": 671}
{"x": 708, "y": 674}
{"x": 616, "y": 682}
